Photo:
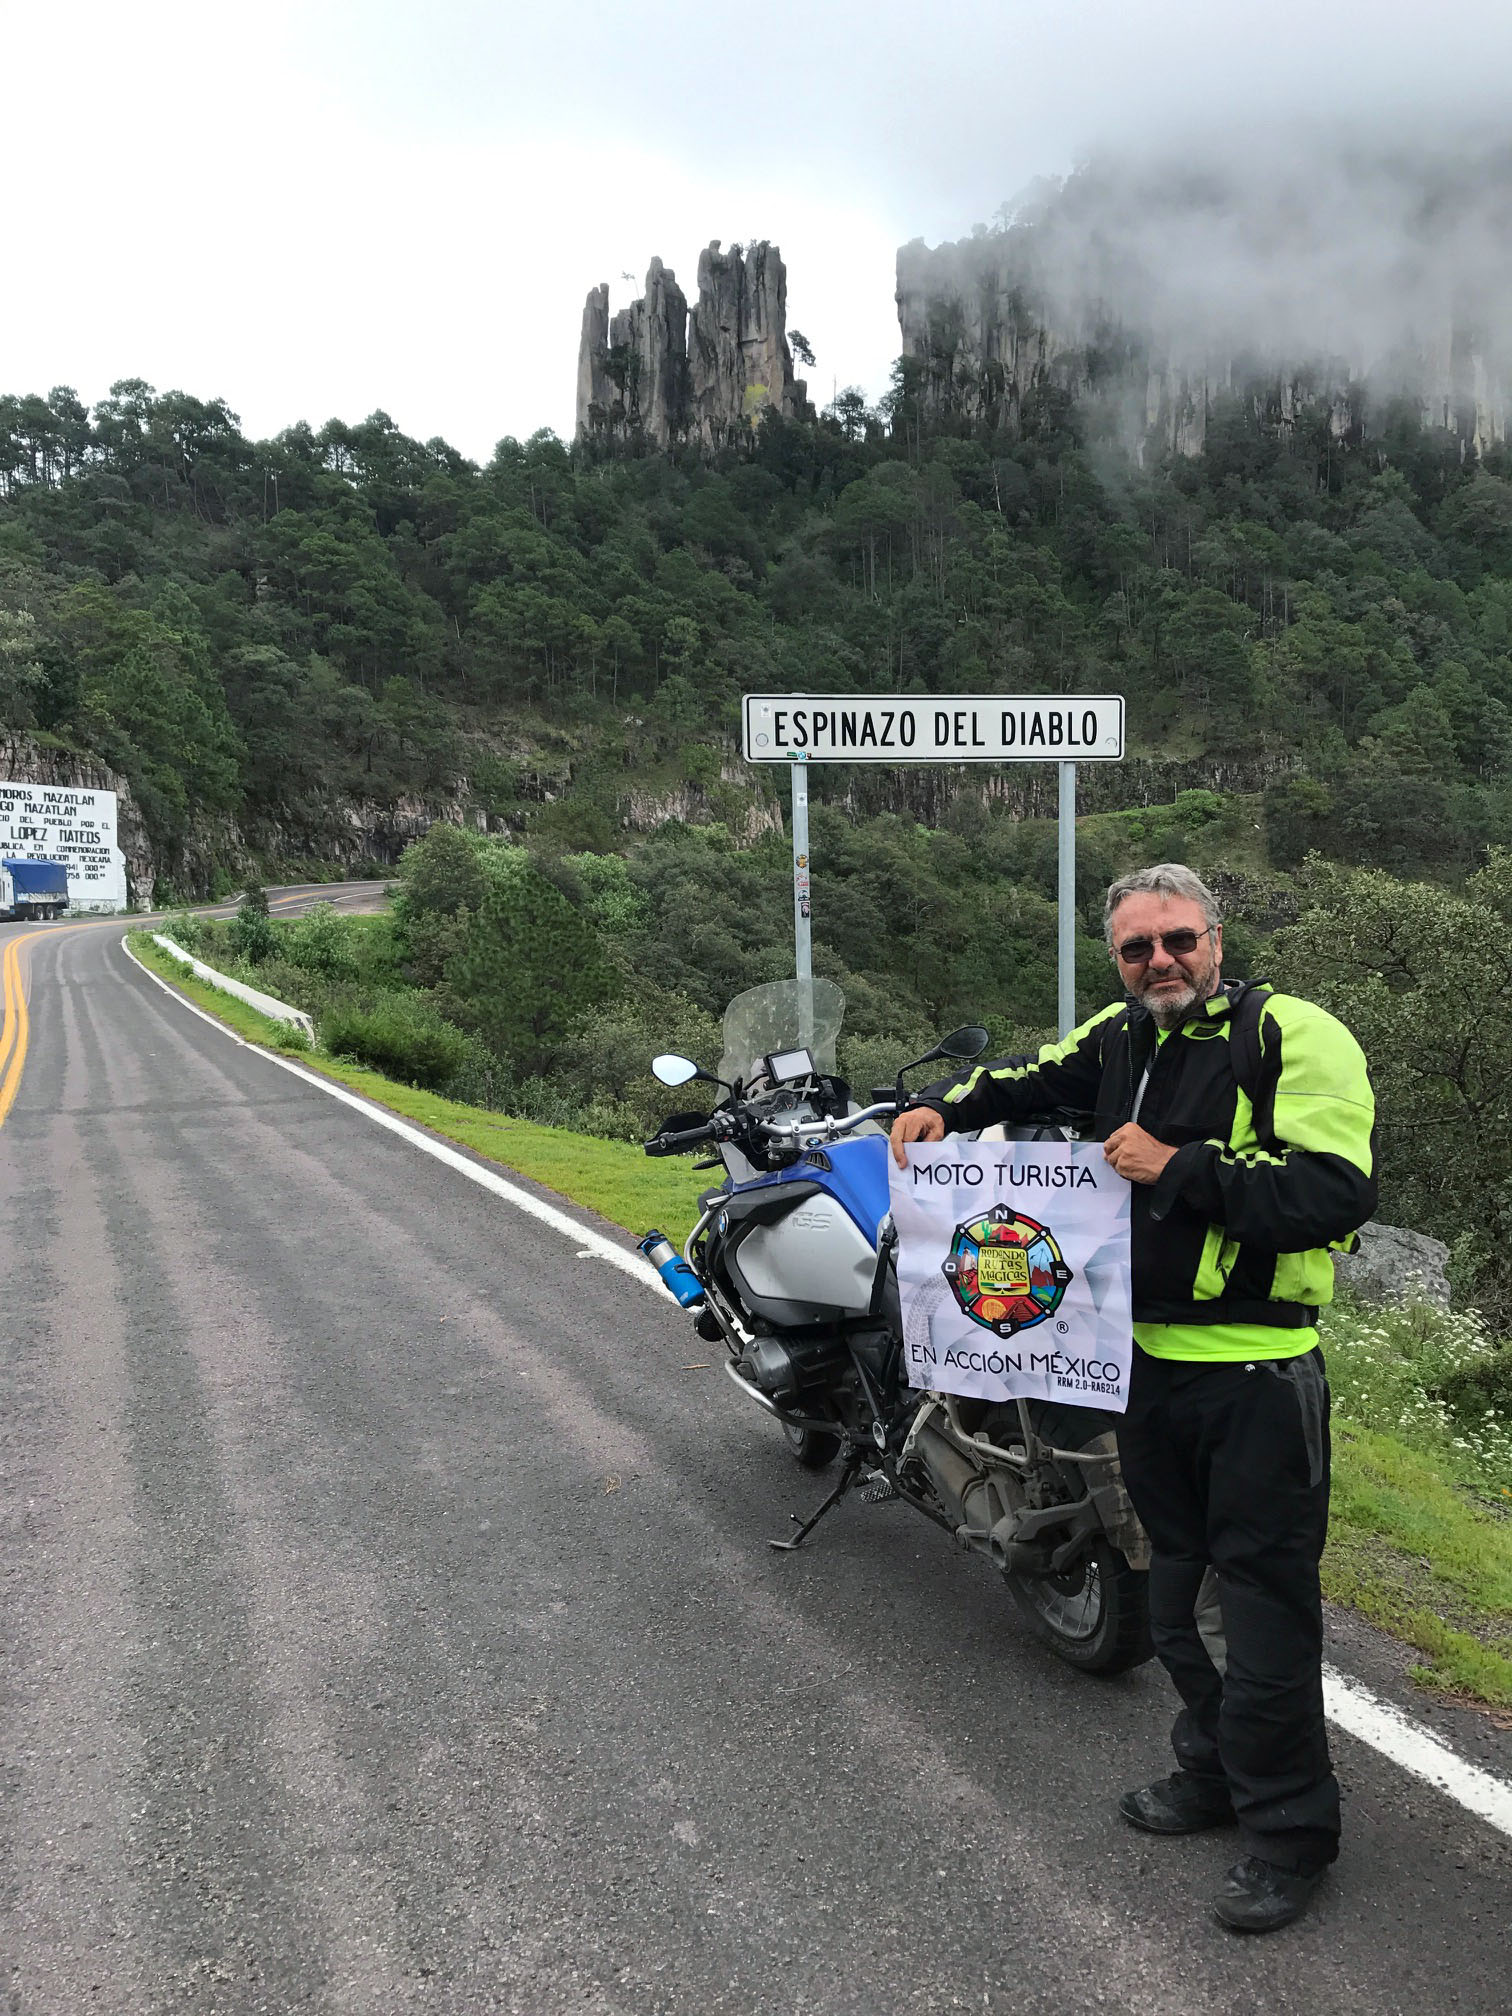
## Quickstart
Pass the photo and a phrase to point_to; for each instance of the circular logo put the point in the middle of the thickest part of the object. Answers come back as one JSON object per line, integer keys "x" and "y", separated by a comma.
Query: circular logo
{"x": 1006, "y": 1271}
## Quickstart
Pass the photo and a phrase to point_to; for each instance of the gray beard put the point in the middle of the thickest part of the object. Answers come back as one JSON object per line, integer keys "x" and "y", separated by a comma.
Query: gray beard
{"x": 1174, "y": 1009}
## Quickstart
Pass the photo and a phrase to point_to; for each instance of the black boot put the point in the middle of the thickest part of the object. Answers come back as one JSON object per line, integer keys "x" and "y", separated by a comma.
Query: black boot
{"x": 1258, "y": 1897}
{"x": 1180, "y": 1804}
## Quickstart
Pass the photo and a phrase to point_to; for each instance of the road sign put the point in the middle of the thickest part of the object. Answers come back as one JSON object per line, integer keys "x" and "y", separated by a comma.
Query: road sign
{"x": 61, "y": 822}
{"x": 948, "y": 728}
{"x": 1063, "y": 728}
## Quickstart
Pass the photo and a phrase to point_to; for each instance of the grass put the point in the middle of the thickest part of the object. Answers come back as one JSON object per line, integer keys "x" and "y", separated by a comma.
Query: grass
{"x": 1421, "y": 1535}
{"x": 1417, "y": 1542}
{"x": 1417, "y": 1554}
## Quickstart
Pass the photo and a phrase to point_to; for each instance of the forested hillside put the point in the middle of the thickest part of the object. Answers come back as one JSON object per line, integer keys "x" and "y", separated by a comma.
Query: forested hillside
{"x": 262, "y": 630}
{"x": 272, "y": 639}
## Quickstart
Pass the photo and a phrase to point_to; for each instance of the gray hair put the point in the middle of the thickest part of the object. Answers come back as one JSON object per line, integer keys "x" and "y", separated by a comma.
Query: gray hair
{"x": 1166, "y": 878}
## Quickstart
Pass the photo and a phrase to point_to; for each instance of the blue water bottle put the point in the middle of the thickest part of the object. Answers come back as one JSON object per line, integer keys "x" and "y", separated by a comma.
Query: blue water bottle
{"x": 673, "y": 1269}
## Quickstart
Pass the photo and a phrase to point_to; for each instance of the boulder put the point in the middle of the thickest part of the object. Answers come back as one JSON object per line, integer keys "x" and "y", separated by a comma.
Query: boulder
{"x": 1394, "y": 1265}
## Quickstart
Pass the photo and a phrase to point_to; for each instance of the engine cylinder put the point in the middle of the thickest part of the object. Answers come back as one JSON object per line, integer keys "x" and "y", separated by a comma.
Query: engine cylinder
{"x": 785, "y": 1365}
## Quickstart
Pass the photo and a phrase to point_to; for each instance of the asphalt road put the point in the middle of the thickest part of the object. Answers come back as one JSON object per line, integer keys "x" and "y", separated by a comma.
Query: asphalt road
{"x": 293, "y": 899}
{"x": 388, "y": 1625}
{"x": 349, "y": 897}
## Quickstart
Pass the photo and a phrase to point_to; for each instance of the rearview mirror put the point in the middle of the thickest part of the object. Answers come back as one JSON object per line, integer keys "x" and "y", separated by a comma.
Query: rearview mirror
{"x": 964, "y": 1043}
{"x": 673, "y": 1070}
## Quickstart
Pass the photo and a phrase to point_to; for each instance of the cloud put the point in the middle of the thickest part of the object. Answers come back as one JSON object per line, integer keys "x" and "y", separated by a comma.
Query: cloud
{"x": 1319, "y": 244}
{"x": 327, "y": 207}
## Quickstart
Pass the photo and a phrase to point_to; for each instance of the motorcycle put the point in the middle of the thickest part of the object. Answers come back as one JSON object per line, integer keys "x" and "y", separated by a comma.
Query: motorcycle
{"x": 791, "y": 1267}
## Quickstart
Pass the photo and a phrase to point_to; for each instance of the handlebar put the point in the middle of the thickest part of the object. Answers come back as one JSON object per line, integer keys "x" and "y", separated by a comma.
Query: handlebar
{"x": 796, "y": 1134}
{"x": 674, "y": 1144}
{"x": 801, "y": 1132}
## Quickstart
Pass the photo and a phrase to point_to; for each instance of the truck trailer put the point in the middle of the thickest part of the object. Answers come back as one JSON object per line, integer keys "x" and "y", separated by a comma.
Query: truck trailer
{"x": 33, "y": 889}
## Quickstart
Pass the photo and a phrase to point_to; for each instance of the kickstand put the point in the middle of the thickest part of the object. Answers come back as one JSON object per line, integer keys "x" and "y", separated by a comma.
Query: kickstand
{"x": 848, "y": 1476}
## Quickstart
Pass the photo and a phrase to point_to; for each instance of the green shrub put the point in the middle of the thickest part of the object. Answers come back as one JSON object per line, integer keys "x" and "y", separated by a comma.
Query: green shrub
{"x": 320, "y": 942}
{"x": 287, "y": 982}
{"x": 443, "y": 880}
{"x": 602, "y": 1069}
{"x": 446, "y": 871}
{"x": 251, "y": 933}
{"x": 1480, "y": 1388}
{"x": 400, "y": 1035}
{"x": 528, "y": 966}
{"x": 185, "y": 929}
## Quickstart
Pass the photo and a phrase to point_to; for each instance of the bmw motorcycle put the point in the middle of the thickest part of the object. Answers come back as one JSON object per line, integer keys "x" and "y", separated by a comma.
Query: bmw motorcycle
{"x": 791, "y": 1268}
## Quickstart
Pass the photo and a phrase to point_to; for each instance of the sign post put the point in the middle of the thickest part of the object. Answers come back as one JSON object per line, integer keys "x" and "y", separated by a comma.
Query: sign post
{"x": 1066, "y": 729}
{"x": 1065, "y": 901}
{"x": 803, "y": 933}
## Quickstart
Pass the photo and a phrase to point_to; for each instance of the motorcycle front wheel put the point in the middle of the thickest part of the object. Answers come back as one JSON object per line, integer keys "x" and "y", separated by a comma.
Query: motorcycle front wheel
{"x": 813, "y": 1447}
{"x": 1095, "y": 1616}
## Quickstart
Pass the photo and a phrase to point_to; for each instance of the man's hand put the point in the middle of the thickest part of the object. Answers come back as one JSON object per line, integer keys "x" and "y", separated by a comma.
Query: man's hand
{"x": 919, "y": 1123}
{"x": 1136, "y": 1154}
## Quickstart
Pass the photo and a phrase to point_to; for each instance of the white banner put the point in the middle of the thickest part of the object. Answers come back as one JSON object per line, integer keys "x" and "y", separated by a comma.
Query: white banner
{"x": 1013, "y": 1268}
{"x": 56, "y": 822}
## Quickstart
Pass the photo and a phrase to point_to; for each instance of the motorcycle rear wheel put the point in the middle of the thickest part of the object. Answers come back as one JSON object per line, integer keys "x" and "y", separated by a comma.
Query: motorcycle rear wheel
{"x": 1096, "y": 1616}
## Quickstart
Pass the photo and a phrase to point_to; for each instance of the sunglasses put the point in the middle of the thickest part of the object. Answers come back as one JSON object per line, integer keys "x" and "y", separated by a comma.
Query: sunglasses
{"x": 1136, "y": 951}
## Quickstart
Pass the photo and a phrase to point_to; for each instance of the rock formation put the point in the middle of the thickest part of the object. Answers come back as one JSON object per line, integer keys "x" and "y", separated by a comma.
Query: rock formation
{"x": 988, "y": 348}
{"x": 633, "y": 371}
{"x": 654, "y": 374}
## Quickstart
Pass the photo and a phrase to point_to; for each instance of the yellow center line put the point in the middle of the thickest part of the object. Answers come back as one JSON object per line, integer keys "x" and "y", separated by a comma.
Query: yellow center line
{"x": 8, "y": 1032}
{"x": 17, "y": 1029}
{"x": 17, "y": 1025}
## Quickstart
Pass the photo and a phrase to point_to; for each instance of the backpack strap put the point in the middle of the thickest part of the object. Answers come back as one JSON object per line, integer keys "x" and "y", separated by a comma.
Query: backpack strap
{"x": 1244, "y": 1036}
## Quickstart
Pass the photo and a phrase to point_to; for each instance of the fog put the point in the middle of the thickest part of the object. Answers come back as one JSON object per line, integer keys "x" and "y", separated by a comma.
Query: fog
{"x": 334, "y": 205}
{"x": 1340, "y": 246}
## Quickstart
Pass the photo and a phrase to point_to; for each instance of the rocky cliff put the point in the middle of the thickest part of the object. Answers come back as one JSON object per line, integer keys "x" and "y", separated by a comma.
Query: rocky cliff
{"x": 633, "y": 370}
{"x": 993, "y": 336}
{"x": 214, "y": 851}
{"x": 657, "y": 374}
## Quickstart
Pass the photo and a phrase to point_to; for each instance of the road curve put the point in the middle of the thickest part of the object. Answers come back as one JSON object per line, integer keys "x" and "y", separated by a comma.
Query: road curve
{"x": 388, "y": 1626}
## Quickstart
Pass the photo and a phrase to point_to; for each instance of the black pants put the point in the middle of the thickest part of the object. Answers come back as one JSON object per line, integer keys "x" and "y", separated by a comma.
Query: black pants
{"x": 1227, "y": 1464}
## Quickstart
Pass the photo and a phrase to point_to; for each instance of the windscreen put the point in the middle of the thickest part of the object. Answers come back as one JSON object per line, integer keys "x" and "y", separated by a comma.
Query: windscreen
{"x": 773, "y": 1017}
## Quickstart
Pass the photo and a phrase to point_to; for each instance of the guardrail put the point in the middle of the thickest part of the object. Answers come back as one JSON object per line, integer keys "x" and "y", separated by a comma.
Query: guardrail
{"x": 265, "y": 1004}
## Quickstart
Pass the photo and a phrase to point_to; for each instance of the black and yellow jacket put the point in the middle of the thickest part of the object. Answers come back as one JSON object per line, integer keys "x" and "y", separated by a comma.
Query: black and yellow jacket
{"x": 1238, "y": 1229}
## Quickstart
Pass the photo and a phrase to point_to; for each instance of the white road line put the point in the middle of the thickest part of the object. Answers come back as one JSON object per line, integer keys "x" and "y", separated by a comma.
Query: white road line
{"x": 184, "y": 1002}
{"x": 1351, "y": 1705}
{"x": 1369, "y": 1719}
{"x": 573, "y": 1228}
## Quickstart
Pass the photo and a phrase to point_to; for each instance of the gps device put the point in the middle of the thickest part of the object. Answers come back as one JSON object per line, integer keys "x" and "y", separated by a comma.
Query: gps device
{"x": 785, "y": 1067}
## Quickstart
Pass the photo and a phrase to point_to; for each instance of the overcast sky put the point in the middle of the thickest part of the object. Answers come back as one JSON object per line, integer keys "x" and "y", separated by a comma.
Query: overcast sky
{"x": 329, "y": 207}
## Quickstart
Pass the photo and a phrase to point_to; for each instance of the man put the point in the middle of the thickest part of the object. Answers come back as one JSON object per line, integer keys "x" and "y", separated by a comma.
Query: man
{"x": 1238, "y": 1195}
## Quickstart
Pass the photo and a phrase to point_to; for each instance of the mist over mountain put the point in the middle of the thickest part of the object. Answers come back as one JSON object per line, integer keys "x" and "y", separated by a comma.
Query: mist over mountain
{"x": 1335, "y": 265}
{"x": 1359, "y": 248}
